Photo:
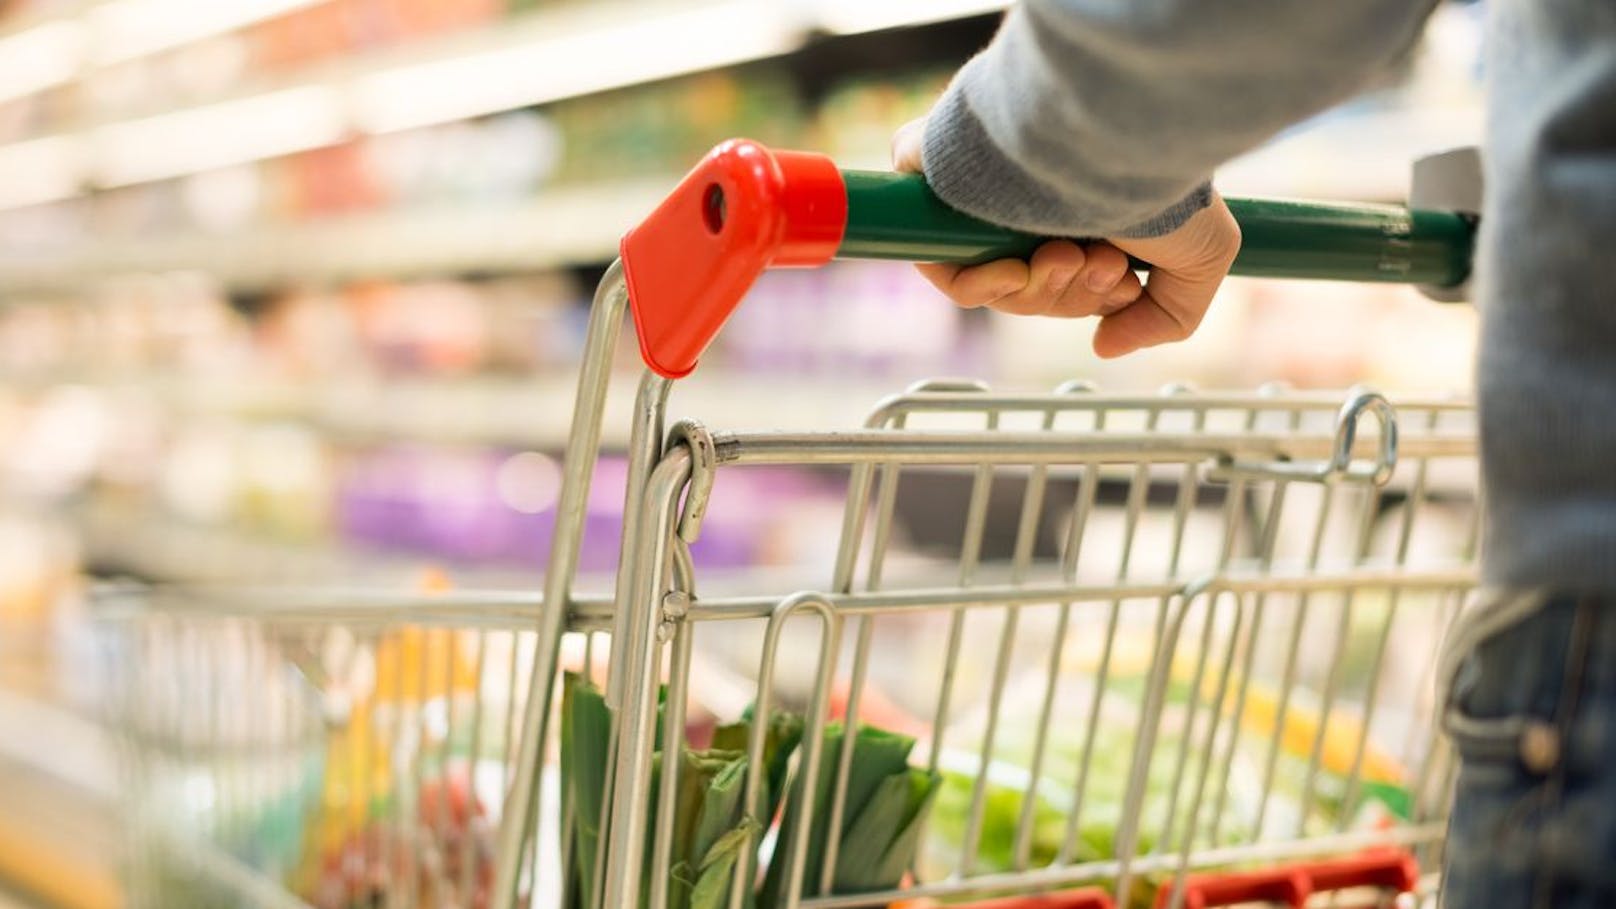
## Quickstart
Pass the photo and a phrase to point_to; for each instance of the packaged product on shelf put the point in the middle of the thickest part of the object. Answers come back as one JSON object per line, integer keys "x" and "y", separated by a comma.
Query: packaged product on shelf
{"x": 490, "y": 507}
{"x": 305, "y": 335}
{"x": 858, "y": 319}
{"x": 189, "y": 74}
{"x": 533, "y": 322}
{"x": 498, "y": 160}
{"x": 48, "y": 227}
{"x": 39, "y": 113}
{"x": 332, "y": 180}
{"x": 434, "y": 327}
{"x": 856, "y": 119}
{"x": 147, "y": 209}
{"x": 301, "y": 37}
{"x": 636, "y": 132}
{"x": 226, "y": 199}
{"x": 327, "y": 30}
{"x": 200, "y": 71}
{"x": 286, "y": 480}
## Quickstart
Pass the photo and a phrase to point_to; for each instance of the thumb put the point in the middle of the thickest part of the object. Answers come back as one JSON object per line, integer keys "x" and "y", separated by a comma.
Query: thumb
{"x": 1170, "y": 309}
{"x": 1188, "y": 266}
{"x": 906, "y": 144}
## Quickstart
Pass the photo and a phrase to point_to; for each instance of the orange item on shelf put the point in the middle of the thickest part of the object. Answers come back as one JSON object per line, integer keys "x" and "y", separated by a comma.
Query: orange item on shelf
{"x": 332, "y": 180}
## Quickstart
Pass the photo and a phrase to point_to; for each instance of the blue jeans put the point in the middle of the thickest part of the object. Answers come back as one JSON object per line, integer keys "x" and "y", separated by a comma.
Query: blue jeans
{"x": 1532, "y": 713}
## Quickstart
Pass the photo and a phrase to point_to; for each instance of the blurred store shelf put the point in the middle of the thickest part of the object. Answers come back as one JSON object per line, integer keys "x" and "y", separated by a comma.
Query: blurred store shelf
{"x": 138, "y": 542}
{"x": 515, "y": 412}
{"x": 558, "y": 227}
{"x": 134, "y": 541}
{"x": 536, "y": 58}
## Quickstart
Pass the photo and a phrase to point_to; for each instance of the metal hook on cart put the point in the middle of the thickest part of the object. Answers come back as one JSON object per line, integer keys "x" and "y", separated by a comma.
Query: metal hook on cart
{"x": 703, "y": 469}
{"x": 1362, "y": 401}
{"x": 1340, "y": 466}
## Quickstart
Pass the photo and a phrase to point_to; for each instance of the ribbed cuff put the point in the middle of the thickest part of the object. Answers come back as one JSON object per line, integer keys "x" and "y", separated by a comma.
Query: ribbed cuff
{"x": 1172, "y": 217}
{"x": 969, "y": 171}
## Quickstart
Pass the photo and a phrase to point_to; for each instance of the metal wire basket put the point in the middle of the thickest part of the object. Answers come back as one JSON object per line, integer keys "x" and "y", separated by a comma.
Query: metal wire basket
{"x": 1192, "y": 669}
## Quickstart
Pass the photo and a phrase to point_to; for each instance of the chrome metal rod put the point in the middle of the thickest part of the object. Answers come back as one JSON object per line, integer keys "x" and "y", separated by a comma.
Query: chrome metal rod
{"x": 583, "y": 446}
{"x": 644, "y": 447}
{"x": 792, "y": 846}
{"x": 972, "y": 448}
{"x": 673, "y": 740}
{"x": 989, "y": 596}
{"x": 954, "y": 400}
{"x": 636, "y": 718}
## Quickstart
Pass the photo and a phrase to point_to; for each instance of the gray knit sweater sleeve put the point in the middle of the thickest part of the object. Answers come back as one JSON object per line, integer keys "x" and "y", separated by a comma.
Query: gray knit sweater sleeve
{"x": 1107, "y": 117}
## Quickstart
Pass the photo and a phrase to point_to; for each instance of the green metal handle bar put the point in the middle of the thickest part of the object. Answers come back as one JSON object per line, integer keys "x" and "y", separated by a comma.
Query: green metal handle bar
{"x": 897, "y": 216}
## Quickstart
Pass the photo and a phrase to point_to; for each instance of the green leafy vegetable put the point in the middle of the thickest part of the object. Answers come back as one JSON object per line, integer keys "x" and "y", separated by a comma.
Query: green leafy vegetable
{"x": 882, "y": 813}
{"x": 586, "y": 725}
{"x": 712, "y": 835}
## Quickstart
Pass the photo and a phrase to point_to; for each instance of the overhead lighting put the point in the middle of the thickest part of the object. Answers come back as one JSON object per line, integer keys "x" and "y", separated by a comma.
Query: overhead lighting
{"x": 218, "y": 135}
{"x": 126, "y": 29}
{"x": 40, "y": 170}
{"x": 851, "y": 17}
{"x": 39, "y": 58}
{"x": 548, "y": 68}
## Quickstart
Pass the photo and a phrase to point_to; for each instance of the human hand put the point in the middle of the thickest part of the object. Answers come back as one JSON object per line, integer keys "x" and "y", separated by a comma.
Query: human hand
{"x": 1071, "y": 280}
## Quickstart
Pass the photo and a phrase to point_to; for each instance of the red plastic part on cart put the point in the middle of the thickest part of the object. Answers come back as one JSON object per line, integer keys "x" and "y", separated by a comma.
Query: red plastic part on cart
{"x": 743, "y": 209}
{"x": 1087, "y": 898}
{"x": 1292, "y": 885}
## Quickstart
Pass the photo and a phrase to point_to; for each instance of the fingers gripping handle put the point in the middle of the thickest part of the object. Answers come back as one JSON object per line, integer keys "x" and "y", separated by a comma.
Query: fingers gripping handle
{"x": 746, "y": 208}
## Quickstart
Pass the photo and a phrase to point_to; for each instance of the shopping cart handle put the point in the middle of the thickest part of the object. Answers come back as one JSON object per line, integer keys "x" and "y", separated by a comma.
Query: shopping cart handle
{"x": 746, "y": 208}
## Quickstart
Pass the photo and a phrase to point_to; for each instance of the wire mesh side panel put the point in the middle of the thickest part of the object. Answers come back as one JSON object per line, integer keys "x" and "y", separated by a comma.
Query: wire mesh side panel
{"x": 1068, "y": 669}
{"x": 311, "y": 751}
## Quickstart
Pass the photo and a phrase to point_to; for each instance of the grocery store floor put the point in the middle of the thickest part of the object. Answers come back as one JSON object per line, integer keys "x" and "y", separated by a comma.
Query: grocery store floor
{"x": 59, "y": 820}
{"x": 57, "y": 843}
{"x": 11, "y": 900}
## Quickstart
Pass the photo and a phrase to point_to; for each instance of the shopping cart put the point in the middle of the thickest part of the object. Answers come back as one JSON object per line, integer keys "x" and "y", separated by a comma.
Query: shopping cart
{"x": 1073, "y": 649}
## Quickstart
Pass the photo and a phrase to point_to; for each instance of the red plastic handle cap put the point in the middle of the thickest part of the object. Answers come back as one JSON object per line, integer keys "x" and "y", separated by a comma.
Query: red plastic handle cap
{"x": 744, "y": 208}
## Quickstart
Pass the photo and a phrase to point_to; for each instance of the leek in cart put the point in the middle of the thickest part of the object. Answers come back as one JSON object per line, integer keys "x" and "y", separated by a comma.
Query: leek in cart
{"x": 886, "y": 799}
{"x": 884, "y": 810}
